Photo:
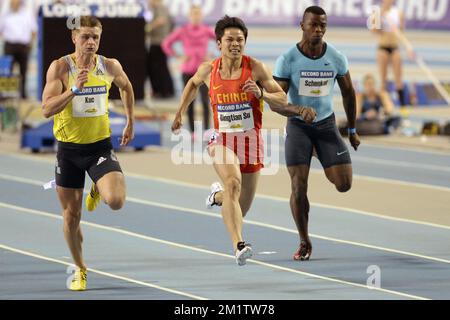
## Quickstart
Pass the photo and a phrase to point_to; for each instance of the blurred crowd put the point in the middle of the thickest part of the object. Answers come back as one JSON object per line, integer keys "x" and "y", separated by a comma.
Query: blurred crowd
{"x": 18, "y": 28}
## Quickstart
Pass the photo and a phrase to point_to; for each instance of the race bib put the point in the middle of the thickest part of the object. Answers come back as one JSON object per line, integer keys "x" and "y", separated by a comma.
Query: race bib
{"x": 315, "y": 83}
{"x": 235, "y": 117}
{"x": 90, "y": 102}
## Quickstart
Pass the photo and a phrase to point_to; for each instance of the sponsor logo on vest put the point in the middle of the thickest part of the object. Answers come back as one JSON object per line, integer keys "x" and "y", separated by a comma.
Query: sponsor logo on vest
{"x": 91, "y": 110}
{"x": 93, "y": 90}
{"x": 317, "y": 74}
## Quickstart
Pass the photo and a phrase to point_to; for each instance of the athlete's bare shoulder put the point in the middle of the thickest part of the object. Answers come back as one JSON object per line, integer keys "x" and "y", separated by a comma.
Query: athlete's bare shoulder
{"x": 203, "y": 73}
{"x": 111, "y": 62}
{"x": 259, "y": 69}
{"x": 255, "y": 62}
{"x": 205, "y": 68}
{"x": 56, "y": 78}
{"x": 59, "y": 68}
{"x": 113, "y": 66}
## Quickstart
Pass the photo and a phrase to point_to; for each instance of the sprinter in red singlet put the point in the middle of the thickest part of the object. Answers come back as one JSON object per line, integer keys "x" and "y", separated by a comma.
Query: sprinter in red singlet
{"x": 238, "y": 85}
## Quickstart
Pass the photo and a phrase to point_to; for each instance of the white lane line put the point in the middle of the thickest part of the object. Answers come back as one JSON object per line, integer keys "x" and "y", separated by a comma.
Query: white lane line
{"x": 279, "y": 228}
{"x": 314, "y": 170}
{"x": 402, "y": 183}
{"x": 261, "y": 196}
{"x": 416, "y": 150}
{"x": 28, "y": 157}
{"x": 393, "y": 181}
{"x": 21, "y": 180}
{"x": 106, "y": 274}
{"x": 374, "y": 146}
{"x": 398, "y": 163}
{"x": 375, "y": 179}
{"x": 282, "y": 199}
{"x": 210, "y": 252}
{"x": 265, "y": 225}
{"x": 404, "y": 164}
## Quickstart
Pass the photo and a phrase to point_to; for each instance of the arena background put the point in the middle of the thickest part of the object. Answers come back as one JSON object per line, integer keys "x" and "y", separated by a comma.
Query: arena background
{"x": 165, "y": 245}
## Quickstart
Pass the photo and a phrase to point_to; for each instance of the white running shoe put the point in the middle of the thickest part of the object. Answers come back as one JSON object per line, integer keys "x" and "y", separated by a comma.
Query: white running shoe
{"x": 243, "y": 252}
{"x": 215, "y": 187}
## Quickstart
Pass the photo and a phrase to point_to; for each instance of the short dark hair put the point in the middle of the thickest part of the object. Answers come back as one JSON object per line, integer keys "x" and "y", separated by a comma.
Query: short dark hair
{"x": 229, "y": 22}
{"x": 314, "y": 10}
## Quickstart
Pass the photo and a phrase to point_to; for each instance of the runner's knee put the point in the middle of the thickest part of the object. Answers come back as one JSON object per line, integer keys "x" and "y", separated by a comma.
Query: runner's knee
{"x": 115, "y": 202}
{"x": 233, "y": 186}
{"x": 71, "y": 219}
{"x": 344, "y": 185}
{"x": 299, "y": 189}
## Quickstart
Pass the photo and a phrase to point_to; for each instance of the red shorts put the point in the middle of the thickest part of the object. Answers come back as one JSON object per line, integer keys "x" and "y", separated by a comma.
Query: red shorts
{"x": 248, "y": 147}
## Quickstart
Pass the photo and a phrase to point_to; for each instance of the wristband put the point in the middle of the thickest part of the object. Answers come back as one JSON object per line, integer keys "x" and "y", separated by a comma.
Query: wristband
{"x": 75, "y": 90}
{"x": 351, "y": 130}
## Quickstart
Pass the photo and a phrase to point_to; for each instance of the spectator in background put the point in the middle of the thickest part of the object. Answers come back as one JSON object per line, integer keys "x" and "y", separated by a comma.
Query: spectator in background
{"x": 18, "y": 29}
{"x": 388, "y": 53}
{"x": 373, "y": 110}
{"x": 159, "y": 27}
{"x": 194, "y": 36}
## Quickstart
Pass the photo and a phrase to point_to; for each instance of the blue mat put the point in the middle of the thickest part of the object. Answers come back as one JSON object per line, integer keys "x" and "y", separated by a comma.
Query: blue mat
{"x": 42, "y": 136}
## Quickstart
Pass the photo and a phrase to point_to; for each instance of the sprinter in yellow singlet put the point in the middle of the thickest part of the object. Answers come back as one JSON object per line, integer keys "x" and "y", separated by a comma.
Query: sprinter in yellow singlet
{"x": 76, "y": 95}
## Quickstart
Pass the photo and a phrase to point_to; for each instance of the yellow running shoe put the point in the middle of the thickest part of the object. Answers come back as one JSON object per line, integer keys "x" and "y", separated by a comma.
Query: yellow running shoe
{"x": 79, "y": 280}
{"x": 92, "y": 199}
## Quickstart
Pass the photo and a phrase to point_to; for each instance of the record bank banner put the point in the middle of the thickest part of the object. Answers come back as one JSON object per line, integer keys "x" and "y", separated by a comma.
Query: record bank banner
{"x": 419, "y": 14}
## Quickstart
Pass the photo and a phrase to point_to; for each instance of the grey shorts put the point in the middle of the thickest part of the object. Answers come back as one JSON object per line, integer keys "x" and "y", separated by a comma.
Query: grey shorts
{"x": 322, "y": 135}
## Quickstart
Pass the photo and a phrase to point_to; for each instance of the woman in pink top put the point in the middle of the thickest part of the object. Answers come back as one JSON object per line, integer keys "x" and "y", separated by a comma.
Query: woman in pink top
{"x": 194, "y": 37}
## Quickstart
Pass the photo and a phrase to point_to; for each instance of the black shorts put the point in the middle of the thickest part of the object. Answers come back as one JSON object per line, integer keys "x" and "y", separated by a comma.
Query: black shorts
{"x": 73, "y": 160}
{"x": 389, "y": 50}
{"x": 323, "y": 136}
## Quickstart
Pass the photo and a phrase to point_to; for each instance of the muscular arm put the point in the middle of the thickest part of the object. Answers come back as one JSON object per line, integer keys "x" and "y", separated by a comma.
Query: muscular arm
{"x": 54, "y": 100}
{"x": 307, "y": 113}
{"x": 125, "y": 88}
{"x": 348, "y": 98}
{"x": 190, "y": 91}
{"x": 273, "y": 93}
{"x": 359, "y": 103}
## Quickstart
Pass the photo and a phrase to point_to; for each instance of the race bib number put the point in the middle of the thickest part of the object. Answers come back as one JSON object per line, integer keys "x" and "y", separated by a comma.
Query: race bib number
{"x": 235, "y": 117}
{"x": 316, "y": 83}
{"x": 90, "y": 102}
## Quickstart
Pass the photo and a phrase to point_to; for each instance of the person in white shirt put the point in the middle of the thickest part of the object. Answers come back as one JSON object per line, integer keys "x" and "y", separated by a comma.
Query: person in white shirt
{"x": 18, "y": 29}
